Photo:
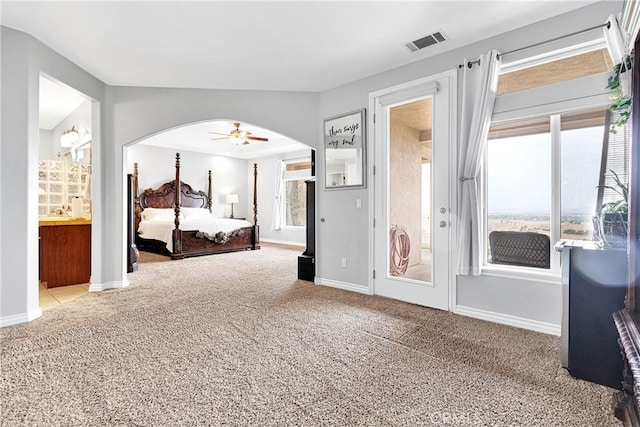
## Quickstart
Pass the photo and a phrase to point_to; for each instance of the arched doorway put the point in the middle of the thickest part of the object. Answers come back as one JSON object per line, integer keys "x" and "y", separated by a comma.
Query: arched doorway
{"x": 203, "y": 147}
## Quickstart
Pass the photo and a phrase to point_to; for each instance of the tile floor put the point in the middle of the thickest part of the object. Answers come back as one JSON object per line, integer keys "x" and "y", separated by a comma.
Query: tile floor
{"x": 53, "y": 297}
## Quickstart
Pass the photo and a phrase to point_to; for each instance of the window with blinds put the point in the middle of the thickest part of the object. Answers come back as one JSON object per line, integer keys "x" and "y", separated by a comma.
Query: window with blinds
{"x": 615, "y": 157}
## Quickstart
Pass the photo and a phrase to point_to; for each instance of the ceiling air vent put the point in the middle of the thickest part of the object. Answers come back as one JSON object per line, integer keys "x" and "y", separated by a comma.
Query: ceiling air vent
{"x": 427, "y": 41}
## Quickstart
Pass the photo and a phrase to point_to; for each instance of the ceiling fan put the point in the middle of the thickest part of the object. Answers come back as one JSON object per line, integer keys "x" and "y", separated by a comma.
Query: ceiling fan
{"x": 239, "y": 137}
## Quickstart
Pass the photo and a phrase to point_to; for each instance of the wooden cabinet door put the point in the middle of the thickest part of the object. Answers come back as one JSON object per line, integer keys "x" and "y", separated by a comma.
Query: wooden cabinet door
{"x": 65, "y": 254}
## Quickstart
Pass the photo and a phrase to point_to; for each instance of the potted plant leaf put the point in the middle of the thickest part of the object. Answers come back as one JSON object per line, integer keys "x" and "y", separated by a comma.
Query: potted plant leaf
{"x": 610, "y": 224}
{"x": 619, "y": 83}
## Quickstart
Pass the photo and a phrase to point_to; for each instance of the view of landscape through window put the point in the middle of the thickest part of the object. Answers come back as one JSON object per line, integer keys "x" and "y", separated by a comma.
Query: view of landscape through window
{"x": 295, "y": 192}
{"x": 524, "y": 156}
{"x": 519, "y": 180}
{"x": 295, "y": 196}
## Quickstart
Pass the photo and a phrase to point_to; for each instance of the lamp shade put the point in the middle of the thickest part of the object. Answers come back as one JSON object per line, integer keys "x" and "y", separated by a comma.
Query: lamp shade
{"x": 231, "y": 198}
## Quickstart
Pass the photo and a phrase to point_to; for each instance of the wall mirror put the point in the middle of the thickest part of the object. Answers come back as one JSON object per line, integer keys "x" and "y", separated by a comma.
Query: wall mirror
{"x": 344, "y": 150}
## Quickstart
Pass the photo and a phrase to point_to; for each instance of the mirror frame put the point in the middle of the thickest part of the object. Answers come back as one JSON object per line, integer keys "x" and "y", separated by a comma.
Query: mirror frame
{"x": 332, "y": 139}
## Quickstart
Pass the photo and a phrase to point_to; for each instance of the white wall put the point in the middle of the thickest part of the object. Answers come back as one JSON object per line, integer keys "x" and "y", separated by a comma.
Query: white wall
{"x": 346, "y": 230}
{"x": 157, "y": 165}
{"x": 22, "y": 60}
{"x": 46, "y": 148}
{"x": 535, "y": 300}
{"x": 267, "y": 178}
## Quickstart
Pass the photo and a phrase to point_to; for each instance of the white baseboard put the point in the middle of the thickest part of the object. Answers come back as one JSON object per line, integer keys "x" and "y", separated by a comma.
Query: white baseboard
{"x": 282, "y": 242}
{"x": 15, "y": 319}
{"x": 506, "y": 319}
{"x": 343, "y": 285}
{"x": 97, "y": 287}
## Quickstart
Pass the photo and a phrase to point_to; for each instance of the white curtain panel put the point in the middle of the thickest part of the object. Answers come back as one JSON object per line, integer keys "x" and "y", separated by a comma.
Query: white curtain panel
{"x": 615, "y": 39}
{"x": 479, "y": 85}
{"x": 276, "y": 223}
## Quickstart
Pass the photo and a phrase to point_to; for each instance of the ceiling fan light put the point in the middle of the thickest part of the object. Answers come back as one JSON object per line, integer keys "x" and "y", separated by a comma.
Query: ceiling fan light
{"x": 237, "y": 139}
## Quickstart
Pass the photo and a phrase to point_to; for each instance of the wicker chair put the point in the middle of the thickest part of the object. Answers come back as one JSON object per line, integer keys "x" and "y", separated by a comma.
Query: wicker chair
{"x": 520, "y": 248}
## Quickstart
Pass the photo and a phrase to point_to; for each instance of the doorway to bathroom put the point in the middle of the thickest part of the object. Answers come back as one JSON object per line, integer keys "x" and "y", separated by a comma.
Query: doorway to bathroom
{"x": 64, "y": 193}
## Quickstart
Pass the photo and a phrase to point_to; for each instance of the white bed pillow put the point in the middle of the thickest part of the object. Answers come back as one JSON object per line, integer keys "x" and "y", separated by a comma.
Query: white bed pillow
{"x": 196, "y": 213}
{"x": 159, "y": 214}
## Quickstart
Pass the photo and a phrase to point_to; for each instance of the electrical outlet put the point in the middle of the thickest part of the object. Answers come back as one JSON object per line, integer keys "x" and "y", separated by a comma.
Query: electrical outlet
{"x": 343, "y": 263}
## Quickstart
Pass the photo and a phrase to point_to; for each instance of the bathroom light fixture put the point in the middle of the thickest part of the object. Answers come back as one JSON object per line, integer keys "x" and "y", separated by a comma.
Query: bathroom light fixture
{"x": 231, "y": 199}
{"x": 69, "y": 137}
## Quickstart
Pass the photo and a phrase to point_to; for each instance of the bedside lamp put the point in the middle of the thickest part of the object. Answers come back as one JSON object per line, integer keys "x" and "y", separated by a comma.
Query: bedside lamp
{"x": 231, "y": 199}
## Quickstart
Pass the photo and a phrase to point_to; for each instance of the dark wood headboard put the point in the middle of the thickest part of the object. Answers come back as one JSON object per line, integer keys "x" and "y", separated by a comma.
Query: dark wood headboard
{"x": 166, "y": 196}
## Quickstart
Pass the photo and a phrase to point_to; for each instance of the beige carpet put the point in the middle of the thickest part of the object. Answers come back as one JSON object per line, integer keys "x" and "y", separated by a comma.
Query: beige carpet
{"x": 234, "y": 339}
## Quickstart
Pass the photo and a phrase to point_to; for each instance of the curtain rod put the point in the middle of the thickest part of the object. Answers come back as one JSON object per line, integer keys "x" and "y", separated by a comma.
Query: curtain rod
{"x": 606, "y": 24}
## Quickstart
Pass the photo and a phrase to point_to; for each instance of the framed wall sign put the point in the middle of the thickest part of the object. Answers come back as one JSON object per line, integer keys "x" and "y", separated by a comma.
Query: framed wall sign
{"x": 344, "y": 150}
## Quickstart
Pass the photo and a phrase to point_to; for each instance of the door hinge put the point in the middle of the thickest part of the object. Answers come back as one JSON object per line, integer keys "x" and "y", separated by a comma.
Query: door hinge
{"x": 374, "y": 222}
{"x": 374, "y": 117}
{"x": 374, "y": 169}
{"x": 374, "y": 274}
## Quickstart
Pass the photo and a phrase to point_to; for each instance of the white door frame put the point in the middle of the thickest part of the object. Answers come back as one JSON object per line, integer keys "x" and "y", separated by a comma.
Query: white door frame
{"x": 452, "y": 75}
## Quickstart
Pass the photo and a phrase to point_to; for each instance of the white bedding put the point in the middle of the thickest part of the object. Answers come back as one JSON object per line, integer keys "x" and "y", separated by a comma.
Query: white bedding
{"x": 162, "y": 229}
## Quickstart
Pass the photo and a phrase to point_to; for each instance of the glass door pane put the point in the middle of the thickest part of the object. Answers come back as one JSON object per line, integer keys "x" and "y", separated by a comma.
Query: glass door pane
{"x": 409, "y": 195}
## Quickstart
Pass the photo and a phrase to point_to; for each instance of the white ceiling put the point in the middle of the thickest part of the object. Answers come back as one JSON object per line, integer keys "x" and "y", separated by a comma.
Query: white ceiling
{"x": 261, "y": 45}
{"x": 57, "y": 101}
{"x": 196, "y": 137}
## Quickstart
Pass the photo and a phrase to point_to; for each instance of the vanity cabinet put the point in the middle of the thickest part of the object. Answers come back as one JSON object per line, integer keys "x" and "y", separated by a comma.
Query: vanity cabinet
{"x": 65, "y": 252}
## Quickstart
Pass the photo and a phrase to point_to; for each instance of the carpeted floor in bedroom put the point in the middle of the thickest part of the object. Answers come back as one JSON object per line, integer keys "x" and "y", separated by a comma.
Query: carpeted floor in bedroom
{"x": 235, "y": 339}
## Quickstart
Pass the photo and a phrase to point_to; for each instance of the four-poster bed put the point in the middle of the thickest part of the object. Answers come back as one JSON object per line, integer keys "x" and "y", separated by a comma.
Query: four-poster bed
{"x": 176, "y": 220}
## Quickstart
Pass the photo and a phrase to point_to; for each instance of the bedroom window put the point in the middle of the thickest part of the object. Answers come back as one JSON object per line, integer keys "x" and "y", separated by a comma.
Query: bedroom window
{"x": 544, "y": 157}
{"x": 541, "y": 180}
{"x": 295, "y": 173}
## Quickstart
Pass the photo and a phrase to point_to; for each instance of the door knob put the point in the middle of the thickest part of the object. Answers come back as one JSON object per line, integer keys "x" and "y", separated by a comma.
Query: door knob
{"x": 443, "y": 224}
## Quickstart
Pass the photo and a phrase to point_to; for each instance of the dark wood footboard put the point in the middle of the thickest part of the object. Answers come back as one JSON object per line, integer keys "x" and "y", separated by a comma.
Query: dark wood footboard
{"x": 193, "y": 243}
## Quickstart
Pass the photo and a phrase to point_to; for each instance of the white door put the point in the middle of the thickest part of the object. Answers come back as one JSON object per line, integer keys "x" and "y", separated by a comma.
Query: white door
{"x": 413, "y": 140}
